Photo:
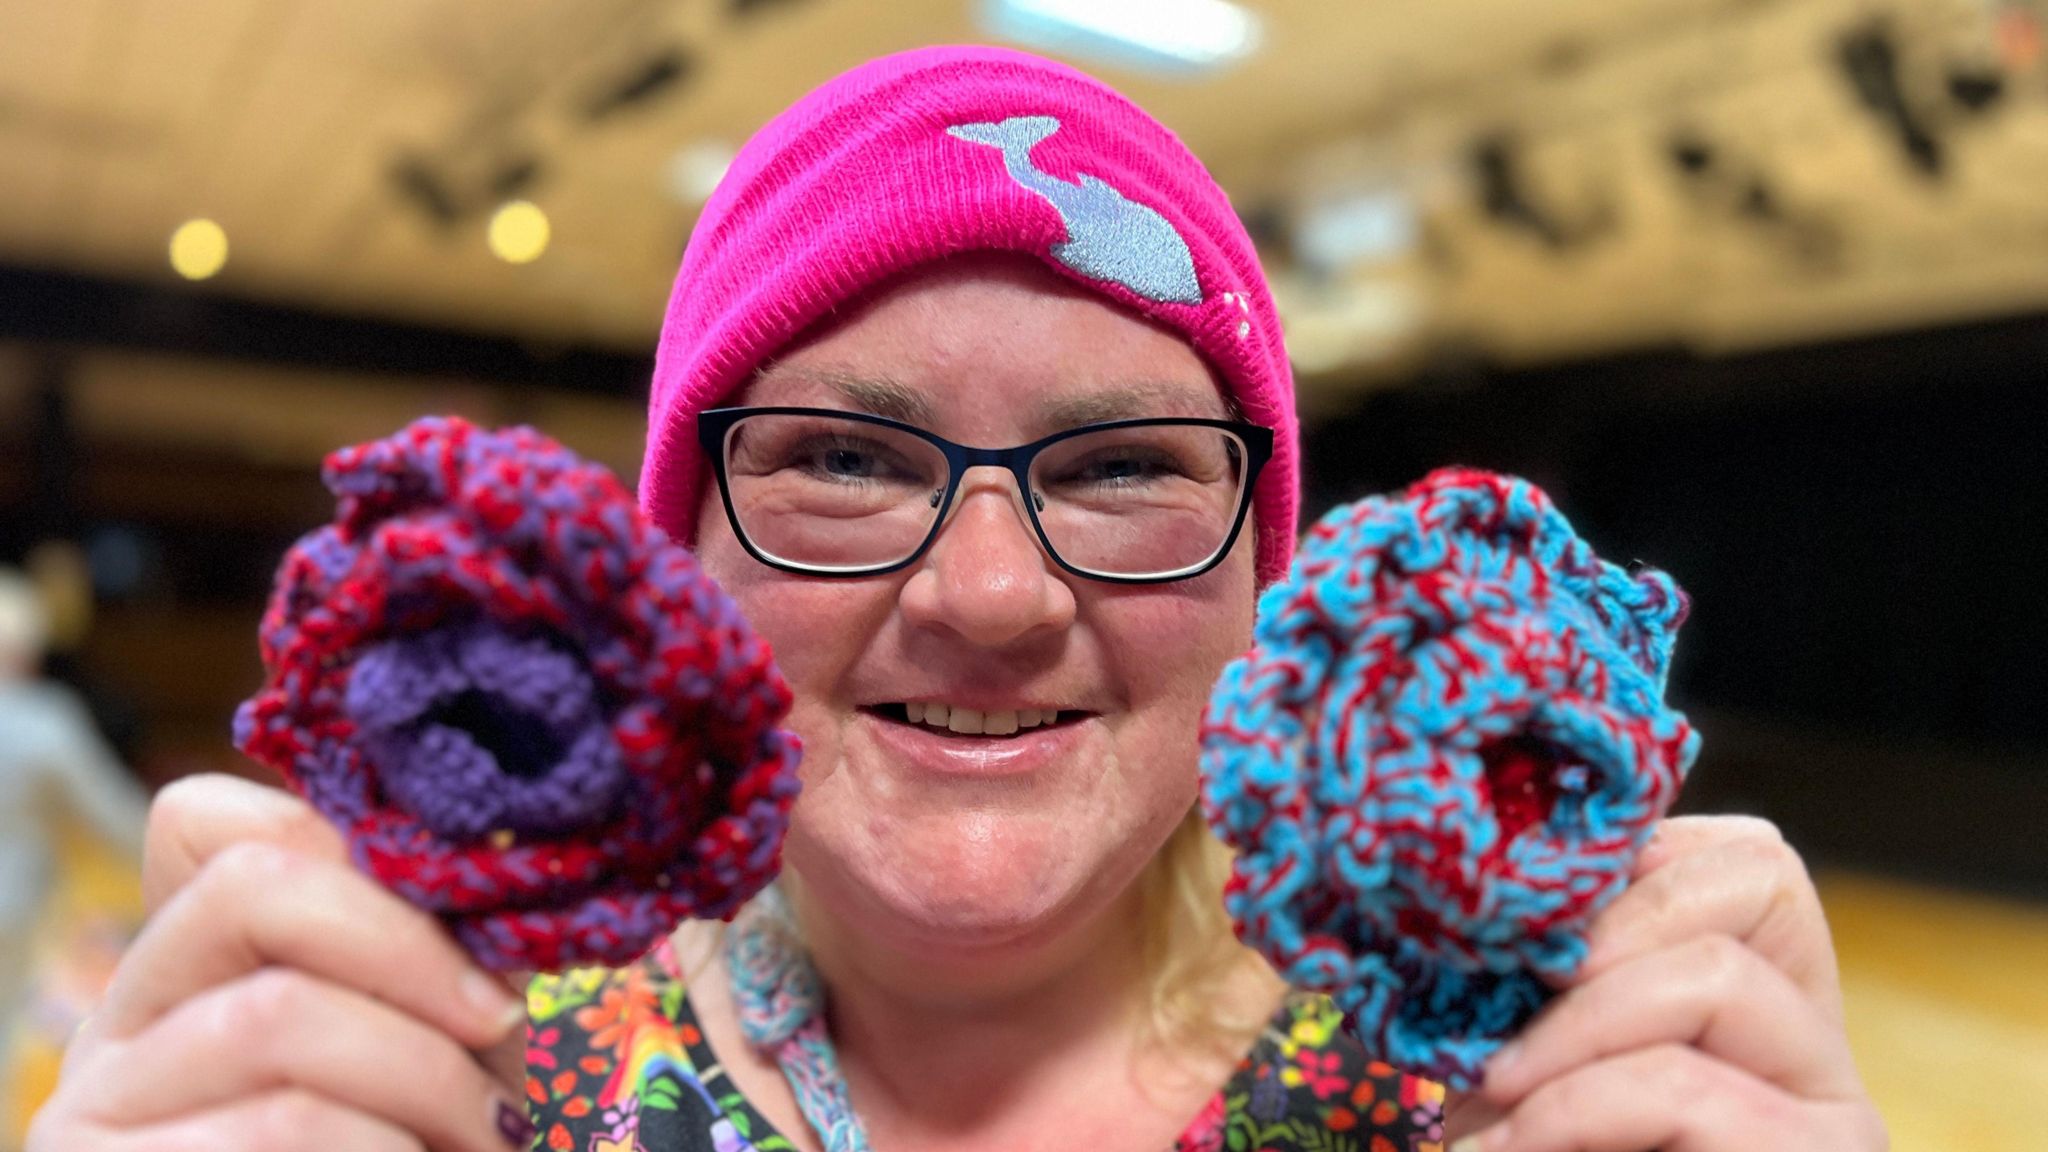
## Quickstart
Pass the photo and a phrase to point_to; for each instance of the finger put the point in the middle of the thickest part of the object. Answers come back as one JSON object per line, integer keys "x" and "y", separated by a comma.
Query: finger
{"x": 1670, "y": 1097}
{"x": 1711, "y": 993}
{"x": 1732, "y": 876}
{"x": 289, "y": 1120}
{"x": 255, "y": 904}
{"x": 1676, "y": 836}
{"x": 250, "y": 1037}
{"x": 194, "y": 818}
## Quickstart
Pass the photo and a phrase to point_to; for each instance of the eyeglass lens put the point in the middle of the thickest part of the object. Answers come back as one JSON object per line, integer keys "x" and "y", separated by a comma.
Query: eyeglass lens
{"x": 821, "y": 492}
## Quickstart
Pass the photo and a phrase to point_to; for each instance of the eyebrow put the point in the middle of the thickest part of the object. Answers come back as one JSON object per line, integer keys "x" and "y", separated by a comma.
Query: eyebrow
{"x": 875, "y": 395}
{"x": 1124, "y": 402}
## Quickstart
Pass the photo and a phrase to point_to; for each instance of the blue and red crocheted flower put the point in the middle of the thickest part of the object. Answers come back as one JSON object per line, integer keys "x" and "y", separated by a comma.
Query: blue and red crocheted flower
{"x": 1440, "y": 759}
{"x": 528, "y": 711}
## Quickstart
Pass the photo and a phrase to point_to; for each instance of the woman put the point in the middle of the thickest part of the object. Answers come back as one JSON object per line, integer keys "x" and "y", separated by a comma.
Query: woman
{"x": 994, "y": 875}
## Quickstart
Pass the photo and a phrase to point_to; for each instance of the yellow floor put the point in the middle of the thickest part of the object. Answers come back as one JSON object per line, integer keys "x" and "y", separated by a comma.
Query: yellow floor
{"x": 99, "y": 895}
{"x": 1947, "y": 1000}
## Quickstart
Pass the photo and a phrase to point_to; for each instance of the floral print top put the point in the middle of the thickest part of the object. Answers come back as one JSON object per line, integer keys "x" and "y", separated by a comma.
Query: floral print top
{"x": 616, "y": 1063}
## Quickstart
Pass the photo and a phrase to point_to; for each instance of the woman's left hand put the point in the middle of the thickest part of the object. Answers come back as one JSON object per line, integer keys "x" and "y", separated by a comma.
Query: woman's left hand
{"x": 1707, "y": 1017}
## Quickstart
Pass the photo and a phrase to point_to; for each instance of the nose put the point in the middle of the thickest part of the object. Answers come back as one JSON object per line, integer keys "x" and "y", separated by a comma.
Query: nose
{"x": 986, "y": 578}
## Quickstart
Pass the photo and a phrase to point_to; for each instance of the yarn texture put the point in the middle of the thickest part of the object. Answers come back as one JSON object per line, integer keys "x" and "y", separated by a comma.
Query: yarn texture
{"x": 781, "y": 1007}
{"x": 528, "y": 712}
{"x": 1440, "y": 759}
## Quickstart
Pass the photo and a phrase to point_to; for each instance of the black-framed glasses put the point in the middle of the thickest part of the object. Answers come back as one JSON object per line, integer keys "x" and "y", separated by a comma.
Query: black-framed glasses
{"x": 825, "y": 492}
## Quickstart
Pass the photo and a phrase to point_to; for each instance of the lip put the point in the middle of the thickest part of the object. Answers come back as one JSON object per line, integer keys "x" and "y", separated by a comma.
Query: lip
{"x": 926, "y": 750}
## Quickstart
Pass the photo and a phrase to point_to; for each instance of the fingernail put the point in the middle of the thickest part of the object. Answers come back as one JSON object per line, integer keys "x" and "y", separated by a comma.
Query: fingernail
{"x": 493, "y": 1002}
{"x": 514, "y": 1126}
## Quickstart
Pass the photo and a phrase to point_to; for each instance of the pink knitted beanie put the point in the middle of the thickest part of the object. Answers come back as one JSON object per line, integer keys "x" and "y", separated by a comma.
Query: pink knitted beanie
{"x": 925, "y": 154}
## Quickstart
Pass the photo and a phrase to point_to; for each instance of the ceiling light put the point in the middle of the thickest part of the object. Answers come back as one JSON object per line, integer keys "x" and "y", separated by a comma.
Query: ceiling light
{"x": 1161, "y": 35}
{"x": 198, "y": 249}
{"x": 519, "y": 232}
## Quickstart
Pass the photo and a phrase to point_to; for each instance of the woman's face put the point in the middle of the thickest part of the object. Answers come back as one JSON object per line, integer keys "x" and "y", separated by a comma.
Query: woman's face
{"x": 965, "y": 842}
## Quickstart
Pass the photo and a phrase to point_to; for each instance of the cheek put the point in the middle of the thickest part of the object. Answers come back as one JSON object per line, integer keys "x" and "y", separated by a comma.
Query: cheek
{"x": 1168, "y": 651}
{"x": 1172, "y": 642}
{"x": 806, "y": 625}
{"x": 817, "y": 629}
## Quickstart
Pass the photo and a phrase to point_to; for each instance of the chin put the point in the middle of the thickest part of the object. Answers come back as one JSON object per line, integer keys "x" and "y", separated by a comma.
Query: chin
{"x": 968, "y": 880}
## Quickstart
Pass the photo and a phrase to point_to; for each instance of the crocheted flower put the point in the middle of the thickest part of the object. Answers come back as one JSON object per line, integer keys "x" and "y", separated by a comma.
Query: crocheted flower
{"x": 527, "y": 710}
{"x": 1439, "y": 761}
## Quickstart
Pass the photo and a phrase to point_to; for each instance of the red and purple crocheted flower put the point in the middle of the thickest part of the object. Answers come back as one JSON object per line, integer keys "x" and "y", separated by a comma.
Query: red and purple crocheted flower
{"x": 1440, "y": 759}
{"x": 529, "y": 712}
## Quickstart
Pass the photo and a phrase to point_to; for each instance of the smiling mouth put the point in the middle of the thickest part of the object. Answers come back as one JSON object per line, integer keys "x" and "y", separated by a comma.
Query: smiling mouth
{"x": 945, "y": 720}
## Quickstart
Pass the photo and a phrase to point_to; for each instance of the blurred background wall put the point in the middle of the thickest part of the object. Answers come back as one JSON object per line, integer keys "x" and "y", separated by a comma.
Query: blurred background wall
{"x": 1758, "y": 289}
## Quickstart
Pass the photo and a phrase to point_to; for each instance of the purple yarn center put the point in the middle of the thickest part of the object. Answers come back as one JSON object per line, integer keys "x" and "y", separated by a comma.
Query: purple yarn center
{"x": 474, "y": 729}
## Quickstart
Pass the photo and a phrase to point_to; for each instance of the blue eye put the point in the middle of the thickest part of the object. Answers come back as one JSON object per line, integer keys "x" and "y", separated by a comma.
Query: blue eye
{"x": 1123, "y": 469}
{"x": 845, "y": 462}
{"x": 843, "y": 458}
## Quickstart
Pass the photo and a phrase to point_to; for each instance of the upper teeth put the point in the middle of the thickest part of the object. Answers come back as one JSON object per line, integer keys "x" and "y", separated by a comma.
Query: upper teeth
{"x": 972, "y": 722}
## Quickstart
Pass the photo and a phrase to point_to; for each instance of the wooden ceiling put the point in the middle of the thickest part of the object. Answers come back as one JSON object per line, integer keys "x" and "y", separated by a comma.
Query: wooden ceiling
{"x": 1567, "y": 177}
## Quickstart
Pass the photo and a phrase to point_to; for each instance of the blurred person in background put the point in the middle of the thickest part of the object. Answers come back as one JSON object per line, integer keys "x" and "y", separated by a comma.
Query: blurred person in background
{"x": 53, "y": 766}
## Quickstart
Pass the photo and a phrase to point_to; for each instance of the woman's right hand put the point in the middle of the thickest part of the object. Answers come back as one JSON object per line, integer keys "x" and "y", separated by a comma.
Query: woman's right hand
{"x": 280, "y": 1000}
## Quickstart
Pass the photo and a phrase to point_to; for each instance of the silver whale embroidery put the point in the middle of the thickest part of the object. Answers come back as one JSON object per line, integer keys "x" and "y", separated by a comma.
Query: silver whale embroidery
{"x": 1109, "y": 237}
